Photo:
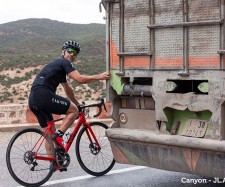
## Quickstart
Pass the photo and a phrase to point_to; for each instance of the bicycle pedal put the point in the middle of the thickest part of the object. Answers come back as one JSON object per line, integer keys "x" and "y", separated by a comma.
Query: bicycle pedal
{"x": 63, "y": 169}
{"x": 58, "y": 168}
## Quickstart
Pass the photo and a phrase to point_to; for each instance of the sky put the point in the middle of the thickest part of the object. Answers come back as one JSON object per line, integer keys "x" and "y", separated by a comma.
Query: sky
{"x": 69, "y": 11}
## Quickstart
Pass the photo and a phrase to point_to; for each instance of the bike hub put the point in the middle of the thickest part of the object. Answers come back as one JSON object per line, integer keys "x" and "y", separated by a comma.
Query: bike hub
{"x": 94, "y": 148}
{"x": 28, "y": 157}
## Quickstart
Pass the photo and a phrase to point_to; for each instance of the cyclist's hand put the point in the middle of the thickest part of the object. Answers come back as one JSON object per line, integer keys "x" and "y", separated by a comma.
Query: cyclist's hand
{"x": 104, "y": 76}
{"x": 79, "y": 106}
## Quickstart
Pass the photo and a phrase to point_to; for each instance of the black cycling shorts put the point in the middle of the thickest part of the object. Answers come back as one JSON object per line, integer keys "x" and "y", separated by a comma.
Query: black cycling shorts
{"x": 43, "y": 103}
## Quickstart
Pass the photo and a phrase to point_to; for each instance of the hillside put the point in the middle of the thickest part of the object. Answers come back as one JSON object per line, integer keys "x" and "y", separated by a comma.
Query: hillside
{"x": 27, "y": 45}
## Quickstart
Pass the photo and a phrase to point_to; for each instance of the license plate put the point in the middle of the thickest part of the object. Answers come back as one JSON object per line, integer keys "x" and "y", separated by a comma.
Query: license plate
{"x": 195, "y": 128}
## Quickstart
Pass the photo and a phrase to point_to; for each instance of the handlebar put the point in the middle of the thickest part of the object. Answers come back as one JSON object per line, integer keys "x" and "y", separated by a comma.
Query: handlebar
{"x": 99, "y": 105}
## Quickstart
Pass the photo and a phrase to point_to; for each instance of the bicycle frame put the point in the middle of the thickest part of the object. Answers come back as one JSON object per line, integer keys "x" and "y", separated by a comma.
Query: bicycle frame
{"x": 81, "y": 121}
{"x": 33, "y": 155}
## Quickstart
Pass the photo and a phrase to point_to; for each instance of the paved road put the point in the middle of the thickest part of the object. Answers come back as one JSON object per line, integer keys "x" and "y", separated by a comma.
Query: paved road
{"x": 120, "y": 176}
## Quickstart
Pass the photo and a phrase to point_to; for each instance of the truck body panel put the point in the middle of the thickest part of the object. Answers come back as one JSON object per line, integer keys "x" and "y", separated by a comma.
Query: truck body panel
{"x": 167, "y": 86}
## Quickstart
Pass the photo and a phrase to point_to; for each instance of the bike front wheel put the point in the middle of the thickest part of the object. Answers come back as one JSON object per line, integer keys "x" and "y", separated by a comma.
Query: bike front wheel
{"x": 93, "y": 161}
{"x": 20, "y": 157}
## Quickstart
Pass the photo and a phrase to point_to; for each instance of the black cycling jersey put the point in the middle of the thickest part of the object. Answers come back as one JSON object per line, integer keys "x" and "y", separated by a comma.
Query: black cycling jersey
{"x": 53, "y": 74}
{"x": 43, "y": 101}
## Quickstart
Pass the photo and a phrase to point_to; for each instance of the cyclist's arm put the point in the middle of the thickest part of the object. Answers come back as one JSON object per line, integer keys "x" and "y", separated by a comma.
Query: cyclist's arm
{"x": 69, "y": 93}
{"x": 83, "y": 79}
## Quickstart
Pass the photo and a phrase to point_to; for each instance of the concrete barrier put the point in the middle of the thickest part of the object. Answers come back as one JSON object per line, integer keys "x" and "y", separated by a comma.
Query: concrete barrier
{"x": 14, "y": 117}
{"x": 13, "y": 114}
{"x": 17, "y": 127}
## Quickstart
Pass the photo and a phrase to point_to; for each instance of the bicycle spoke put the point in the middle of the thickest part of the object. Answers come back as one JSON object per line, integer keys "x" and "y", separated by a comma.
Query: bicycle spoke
{"x": 93, "y": 161}
{"x": 23, "y": 167}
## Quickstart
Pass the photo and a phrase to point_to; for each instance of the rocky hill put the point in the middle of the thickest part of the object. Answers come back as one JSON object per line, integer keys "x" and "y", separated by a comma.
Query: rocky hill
{"x": 27, "y": 45}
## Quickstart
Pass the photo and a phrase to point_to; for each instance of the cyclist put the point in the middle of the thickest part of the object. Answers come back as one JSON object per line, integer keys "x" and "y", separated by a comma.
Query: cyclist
{"x": 44, "y": 102}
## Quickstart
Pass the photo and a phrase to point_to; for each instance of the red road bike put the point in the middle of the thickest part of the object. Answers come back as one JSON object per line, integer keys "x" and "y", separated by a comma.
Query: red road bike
{"x": 31, "y": 165}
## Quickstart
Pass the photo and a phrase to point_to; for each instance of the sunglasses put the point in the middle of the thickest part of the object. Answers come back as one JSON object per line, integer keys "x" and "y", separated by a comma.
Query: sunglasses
{"x": 72, "y": 51}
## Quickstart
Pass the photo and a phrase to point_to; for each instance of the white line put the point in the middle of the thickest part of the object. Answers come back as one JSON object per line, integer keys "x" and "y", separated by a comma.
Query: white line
{"x": 90, "y": 176}
{"x": 126, "y": 170}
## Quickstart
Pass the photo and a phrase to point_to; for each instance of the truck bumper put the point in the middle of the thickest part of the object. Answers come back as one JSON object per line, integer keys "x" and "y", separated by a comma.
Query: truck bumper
{"x": 203, "y": 157}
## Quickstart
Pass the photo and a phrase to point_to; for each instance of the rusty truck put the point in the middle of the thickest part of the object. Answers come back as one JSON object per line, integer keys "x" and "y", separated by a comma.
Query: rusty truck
{"x": 167, "y": 86}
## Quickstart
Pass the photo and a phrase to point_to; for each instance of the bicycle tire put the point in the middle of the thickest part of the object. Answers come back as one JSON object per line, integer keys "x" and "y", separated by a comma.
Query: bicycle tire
{"x": 87, "y": 159}
{"x": 20, "y": 161}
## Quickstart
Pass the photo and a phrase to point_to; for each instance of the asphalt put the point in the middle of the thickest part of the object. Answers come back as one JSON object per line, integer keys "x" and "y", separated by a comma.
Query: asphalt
{"x": 17, "y": 127}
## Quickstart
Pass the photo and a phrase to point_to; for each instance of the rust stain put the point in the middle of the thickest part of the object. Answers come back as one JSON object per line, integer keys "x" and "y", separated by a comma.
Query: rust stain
{"x": 191, "y": 157}
{"x": 118, "y": 155}
{"x": 124, "y": 103}
{"x": 195, "y": 158}
{"x": 128, "y": 61}
{"x": 187, "y": 156}
{"x": 114, "y": 58}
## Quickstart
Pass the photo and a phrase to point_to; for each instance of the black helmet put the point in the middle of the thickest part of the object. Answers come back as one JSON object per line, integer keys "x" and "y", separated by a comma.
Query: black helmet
{"x": 71, "y": 44}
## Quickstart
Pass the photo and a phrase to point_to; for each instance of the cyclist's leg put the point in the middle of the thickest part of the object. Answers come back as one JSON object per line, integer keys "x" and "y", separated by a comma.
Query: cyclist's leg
{"x": 70, "y": 117}
{"x": 42, "y": 118}
{"x": 49, "y": 117}
{"x": 54, "y": 104}
{"x": 60, "y": 105}
{"x": 37, "y": 107}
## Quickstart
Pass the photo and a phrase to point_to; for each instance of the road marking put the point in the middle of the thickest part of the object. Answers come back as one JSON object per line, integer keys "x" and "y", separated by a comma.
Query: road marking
{"x": 90, "y": 176}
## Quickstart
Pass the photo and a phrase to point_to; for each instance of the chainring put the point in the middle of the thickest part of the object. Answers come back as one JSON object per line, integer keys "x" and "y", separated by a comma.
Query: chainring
{"x": 62, "y": 158}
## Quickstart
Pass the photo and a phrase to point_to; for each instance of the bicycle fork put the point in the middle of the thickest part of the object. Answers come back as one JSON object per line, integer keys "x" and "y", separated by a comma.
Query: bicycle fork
{"x": 94, "y": 146}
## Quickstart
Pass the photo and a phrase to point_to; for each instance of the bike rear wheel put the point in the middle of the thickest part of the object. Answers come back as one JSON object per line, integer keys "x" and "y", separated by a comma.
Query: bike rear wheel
{"x": 93, "y": 161}
{"x": 21, "y": 163}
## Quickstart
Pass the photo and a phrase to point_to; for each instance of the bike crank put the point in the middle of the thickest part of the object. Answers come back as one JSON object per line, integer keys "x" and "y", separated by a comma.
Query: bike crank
{"x": 62, "y": 158}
